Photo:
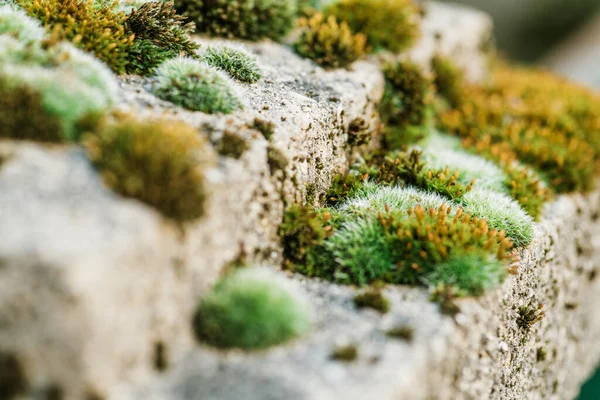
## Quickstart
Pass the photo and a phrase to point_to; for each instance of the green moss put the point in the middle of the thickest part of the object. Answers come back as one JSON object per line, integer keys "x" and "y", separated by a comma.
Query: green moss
{"x": 96, "y": 29}
{"x": 402, "y": 332}
{"x": 17, "y": 23}
{"x": 529, "y": 316}
{"x": 245, "y": 19}
{"x": 251, "y": 309}
{"x": 329, "y": 43}
{"x": 277, "y": 159}
{"x": 372, "y": 298}
{"x": 237, "y": 63}
{"x": 469, "y": 273}
{"x": 154, "y": 161}
{"x": 358, "y": 132}
{"x": 343, "y": 186}
{"x": 160, "y": 34}
{"x": 232, "y": 145}
{"x": 388, "y": 24}
{"x": 302, "y": 230}
{"x": 49, "y": 92}
{"x": 406, "y": 107}
{"x": 196, "y": 86}
{"x": 267, "y": 128}
{"x": 449, "y": 80}
{"x": 501, "y": 213}
{"x": 345, "y": 353}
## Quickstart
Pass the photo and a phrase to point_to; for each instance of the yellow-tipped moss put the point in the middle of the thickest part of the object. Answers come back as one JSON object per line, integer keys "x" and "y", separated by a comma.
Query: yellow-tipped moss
{"x": 329, "y": 43}
{"x": 155, "y": 161}
{"x": 388, "y": 24}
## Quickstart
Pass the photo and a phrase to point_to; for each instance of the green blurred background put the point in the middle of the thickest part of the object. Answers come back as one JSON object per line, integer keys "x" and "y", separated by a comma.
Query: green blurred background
{"x": 561, "y": 34}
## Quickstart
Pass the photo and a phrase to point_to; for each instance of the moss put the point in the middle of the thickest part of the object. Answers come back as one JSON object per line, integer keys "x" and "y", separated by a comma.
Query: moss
{"x": 98, "y": 30}
{"x": 328, "y": 42}
{"x": 407, "y": 243}
{"x": 449, "y": 80}
{"x": 406, "y": 107}
{"x": 232, "y": 145}
{"x": 49, "y": 92}
{"x": 358, "y": 132}
{"x": 245, "y": 19}
{"x": 160, "y": 34}
{"x": 541, "y": 354}
{"x": 18, "y": 24}
{"x": 532, "y": 116}
{"x": 343, "y": 186}
{"x": 196, "y": 86}
{"x": 302, "y": 229}
{"x": 372, "y": 298}
{"x": 22, "y": 115}
{"x": 388, "y": 24}
{"x": 267, "y": 128}
{"x": 237, "y": 63}
{"x": 311, "y": 193}
{"x": 402, "y": 332}
{"x": 154, "y": 161}
{"x": 276, "y": 159}
{"x": 345, "y": 353}
{"x": 251, "y": 309}
{"x": 408, "y": 168}
{"x": 501, "y": 213}
{"x": 529, "y": 316}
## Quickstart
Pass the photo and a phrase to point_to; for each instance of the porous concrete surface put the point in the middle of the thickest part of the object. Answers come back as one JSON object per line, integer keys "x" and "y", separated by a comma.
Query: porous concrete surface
{"x": 94, "y": 287}
{"x": 479, "y": 353}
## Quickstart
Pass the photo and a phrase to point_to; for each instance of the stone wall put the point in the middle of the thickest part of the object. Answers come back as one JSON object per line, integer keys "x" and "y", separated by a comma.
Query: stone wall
{"x": 95, "y": 288}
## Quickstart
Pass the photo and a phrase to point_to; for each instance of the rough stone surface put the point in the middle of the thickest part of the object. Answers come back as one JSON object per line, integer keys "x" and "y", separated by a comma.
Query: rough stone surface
{"x": 480, "y": 353}
{"x": 94, "y": 287}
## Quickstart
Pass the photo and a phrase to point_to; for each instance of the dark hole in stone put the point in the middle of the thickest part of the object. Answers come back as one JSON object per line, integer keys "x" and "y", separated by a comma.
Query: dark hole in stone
{"x": 92, "y": 394}
{"x": 12, "y": 377}
{"x": 595, "y": 216}
{"x": 160, "y": 356}
{"x": 592, "y": 275}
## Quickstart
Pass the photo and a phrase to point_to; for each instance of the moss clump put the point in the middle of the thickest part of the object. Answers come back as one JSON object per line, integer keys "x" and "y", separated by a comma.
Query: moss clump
{"x": 358, "y": 132}
{"x": 372, "y": 298}
{"x": 276, "y": 159}
{"x": 501, "y": 213}
{"x": 531, "y": 116}
{"x": 345, "y": 353}
{"x": 196, "y": 86}
{"x": 302, "y": 231}
{"x": 160, "y": 34}
{"x": 49, "y": 93}
{"x": 406, "y": 107}
{"x": 407, "y": 247}
{"x": 267, "y": 128}
{"x": 329, "y": 43}
{"x": 251, "y": 309}
{"x": 96, "y": 29}
{"x": 232, "y": 145}
{"x": 237, "y": 63}
{"x": 388, "y": 24}
{"x": 402, "y": 332}
{"x": 156, "y": 162}
{"x": 245, "y": 19}
{"x": 18, "y": 24}
{"x": 448, "y": 80}
{"x": 408, "y": 167}
{"x": 529, "y": 316}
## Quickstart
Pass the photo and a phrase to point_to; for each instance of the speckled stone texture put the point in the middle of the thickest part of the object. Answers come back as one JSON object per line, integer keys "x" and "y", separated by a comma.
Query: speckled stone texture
{"x": 97, "y": 291}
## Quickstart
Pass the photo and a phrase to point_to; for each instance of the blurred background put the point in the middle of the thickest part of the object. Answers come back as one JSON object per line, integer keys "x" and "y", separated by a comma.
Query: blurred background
{"x": 563, "y": 35}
